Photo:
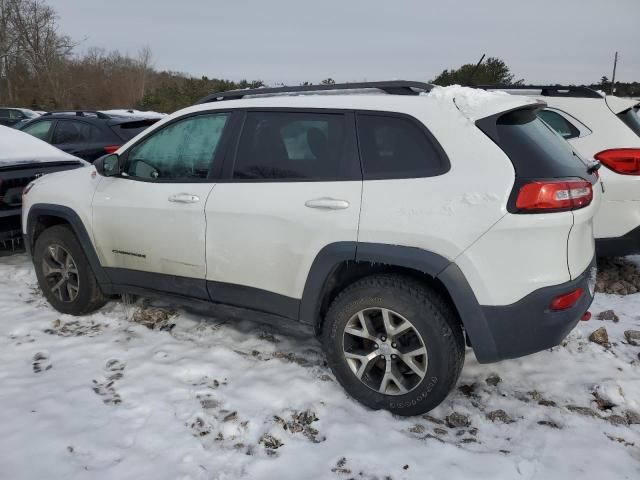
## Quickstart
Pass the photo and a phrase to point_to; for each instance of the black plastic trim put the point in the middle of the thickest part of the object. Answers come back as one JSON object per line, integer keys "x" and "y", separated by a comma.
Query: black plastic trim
{"x": 72, "y": 218}
{"x": 393, "y": 87}
{"x": 627, "y": 244}
{"x": 529, "y": 325}
{"x": 570, "y": 91}
{"x": 123, "y": 278}
{"x": 254, "y": 299}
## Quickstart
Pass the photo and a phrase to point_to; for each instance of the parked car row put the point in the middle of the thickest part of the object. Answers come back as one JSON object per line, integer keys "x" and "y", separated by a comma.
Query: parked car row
{"x": 607, "y": 129}
{"x": 401, "y": 226}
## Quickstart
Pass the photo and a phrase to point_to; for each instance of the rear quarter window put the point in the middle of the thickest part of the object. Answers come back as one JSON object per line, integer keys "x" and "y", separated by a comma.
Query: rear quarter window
{"x": 535, "y": 149}
{"x": 127, "y": 130}
{"x": 398, "y": 147}
{"x": 631, "y": 118}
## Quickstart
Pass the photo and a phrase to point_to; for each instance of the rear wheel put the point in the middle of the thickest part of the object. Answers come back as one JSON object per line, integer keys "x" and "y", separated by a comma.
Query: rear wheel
{"x": 392, "y": 343}
{"x": 64, "y": 273}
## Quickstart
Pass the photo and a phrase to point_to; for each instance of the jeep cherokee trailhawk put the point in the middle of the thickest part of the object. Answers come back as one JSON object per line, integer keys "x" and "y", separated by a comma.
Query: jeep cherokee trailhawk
{"x": 398, "y": 219}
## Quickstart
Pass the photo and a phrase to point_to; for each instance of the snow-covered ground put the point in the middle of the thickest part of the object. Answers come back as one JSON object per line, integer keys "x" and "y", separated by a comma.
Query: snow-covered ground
{"x": 105, "y": 397}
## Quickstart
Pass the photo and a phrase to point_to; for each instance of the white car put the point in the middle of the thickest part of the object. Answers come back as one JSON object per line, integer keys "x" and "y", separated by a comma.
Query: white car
{"x": 395, "y": 224}
{"x": 607, "y": 129}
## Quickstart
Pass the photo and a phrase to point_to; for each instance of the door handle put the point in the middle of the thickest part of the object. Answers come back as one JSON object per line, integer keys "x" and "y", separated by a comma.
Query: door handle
{"x": 184, "y": 198}
{"x": 327, "y": 203}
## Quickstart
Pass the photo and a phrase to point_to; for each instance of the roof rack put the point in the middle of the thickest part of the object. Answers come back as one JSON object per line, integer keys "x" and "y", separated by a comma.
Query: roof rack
{"x": 548, "y": 90}
{"x": 394, "y": 87}
{"x": 80, "y": 113}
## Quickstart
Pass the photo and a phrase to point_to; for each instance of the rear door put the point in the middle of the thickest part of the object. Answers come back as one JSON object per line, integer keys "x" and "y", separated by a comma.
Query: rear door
{"x": 71, "y": 136}
{"x": 293, "y": 187}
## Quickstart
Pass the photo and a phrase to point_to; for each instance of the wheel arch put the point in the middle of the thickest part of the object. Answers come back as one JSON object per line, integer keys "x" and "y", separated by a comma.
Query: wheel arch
{"x": 43, "y": 215}
{"x": 340, "y": 264}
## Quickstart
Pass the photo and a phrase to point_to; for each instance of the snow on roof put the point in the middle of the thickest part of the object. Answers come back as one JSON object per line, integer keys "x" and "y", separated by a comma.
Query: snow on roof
{"x": 134, "y": 113}
{"x": 20, "y": 147}
{"x": 476, "y": 103}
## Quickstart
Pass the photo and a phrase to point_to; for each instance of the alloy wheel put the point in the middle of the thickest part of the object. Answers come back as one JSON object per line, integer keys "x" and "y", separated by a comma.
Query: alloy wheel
{"x": 61, "y": 273}
{"x": 385, "y": 351}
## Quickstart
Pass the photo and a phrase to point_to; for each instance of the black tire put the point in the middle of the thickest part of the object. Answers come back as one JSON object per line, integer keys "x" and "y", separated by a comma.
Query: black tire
{"x": 88, "y": 296}
{"x": 432, "y": 318}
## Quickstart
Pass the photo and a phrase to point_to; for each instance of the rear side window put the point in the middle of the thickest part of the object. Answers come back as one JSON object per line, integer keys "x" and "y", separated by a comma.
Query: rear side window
{"x": 68, "y": 131}
{"x": 559, "y": 124}
{"x": 39, "y": 129}
{"x": 295, "y": 146}
{"x": 535, "y": 150}
{"x": 397, "y": 147}
{"x": 126, "y": 131}
{"x": 631, "y": 118}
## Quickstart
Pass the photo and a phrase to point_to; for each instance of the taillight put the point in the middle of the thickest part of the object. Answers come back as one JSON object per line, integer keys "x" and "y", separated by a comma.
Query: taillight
{"x": 112, "y": 148}
{"x": 625, "y": 161}
{"x": 566, "y": 300}
{"x": 554, "y": 196}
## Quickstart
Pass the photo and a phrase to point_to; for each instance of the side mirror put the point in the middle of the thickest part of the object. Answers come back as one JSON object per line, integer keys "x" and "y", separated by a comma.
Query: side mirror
{"x": 108, "y": 166}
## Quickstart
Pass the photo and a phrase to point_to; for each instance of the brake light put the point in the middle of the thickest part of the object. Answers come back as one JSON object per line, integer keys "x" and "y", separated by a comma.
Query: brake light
{"x": 625, "y": 161}
{"x": 566, "y": 300}
{"x": 112, "y": 148}
{"x": 554, "y": 195}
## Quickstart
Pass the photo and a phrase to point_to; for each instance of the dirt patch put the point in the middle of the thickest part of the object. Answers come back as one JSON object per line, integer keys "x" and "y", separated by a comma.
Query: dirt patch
{"x": 154, "y": 318}
{"x": 617, "y": 276}
{"x": 75, "y": 328}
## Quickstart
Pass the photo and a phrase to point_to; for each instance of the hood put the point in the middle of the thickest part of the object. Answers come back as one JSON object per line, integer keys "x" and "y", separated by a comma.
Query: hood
{"x": 17, "y": 148}
{"x": 475, "y": 103}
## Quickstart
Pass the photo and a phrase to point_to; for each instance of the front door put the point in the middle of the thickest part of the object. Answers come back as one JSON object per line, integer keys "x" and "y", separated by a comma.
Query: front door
{"x": 149, "y": 222}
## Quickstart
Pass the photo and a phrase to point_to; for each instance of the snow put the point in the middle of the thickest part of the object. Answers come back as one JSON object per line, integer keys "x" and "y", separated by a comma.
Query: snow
{"x": 104, "y": 397}
{"x": 476, "y": 103}
{"x": 134, "y": 113}
{"x": 20, "y": 147}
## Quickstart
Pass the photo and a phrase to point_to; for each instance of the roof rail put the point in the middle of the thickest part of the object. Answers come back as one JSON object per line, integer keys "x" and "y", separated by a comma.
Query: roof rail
{"x": 394, "y": 87}
{"x": 80, "y": 113}
{"x": 548, "y": 90}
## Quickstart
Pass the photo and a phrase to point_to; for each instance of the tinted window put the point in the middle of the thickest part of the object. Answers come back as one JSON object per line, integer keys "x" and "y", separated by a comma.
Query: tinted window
{"x": 632, "y": 118}
{"x": 535, "y": 149}
{"x": 290, "y": 146}
{"x": 16, "y": 114}
{"x": 559, "y": 124}
{"x": 39, "y": 129}
{"x": 126, "y": 131}
{"x": 396, "y": 147}
{"x": 67, "y": 131}
{"x": 4, "y": 113}
{"x": 182, "y": 150}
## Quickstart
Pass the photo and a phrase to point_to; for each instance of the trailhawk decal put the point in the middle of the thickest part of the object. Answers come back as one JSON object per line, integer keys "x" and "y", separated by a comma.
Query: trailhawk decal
{"x": 122, "y": 252}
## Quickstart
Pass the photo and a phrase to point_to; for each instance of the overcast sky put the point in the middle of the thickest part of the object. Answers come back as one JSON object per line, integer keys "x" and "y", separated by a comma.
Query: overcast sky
{"x": 557, "y": 41}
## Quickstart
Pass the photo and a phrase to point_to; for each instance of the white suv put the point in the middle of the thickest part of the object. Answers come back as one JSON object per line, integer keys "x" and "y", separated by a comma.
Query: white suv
{"x": 396, "y": 224}
{"x": 606, "y": 129}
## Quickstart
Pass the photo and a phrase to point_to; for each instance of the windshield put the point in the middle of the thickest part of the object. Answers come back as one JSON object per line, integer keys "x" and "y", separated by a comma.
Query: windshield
{"x": 631, "y": 118}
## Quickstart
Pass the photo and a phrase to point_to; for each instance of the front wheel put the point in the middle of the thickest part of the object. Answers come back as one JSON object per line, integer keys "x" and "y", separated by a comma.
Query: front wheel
{"x": 64, "y": 273}
{"x": 394, "y": 344}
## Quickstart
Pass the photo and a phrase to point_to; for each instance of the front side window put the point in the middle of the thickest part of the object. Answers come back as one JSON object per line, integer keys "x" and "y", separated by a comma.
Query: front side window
{"x": 68, "y": 131}
{"x": 39, "y": 129}
{"x": 559, "y": 124}
{"x": 395, "y": 147}
{"x": 16, "y": 114}
{"x": 182, "y": 150}
{"x": 294, "y": 146}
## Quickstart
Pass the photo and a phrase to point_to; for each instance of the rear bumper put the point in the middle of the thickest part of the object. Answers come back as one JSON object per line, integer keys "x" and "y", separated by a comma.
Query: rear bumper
{"x": 627, "y": 244}
{"x": 529, "y": 325}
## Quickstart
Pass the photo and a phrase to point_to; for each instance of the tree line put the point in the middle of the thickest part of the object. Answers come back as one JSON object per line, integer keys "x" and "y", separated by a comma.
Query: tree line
{"x": 41, "y": 68}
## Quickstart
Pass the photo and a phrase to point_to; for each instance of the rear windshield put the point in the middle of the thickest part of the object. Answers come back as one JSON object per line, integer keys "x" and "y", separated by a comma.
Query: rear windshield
{"x": 128, "y": 130}
{"x": 535, "y": 150}
{"x": 632, "y": 118}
